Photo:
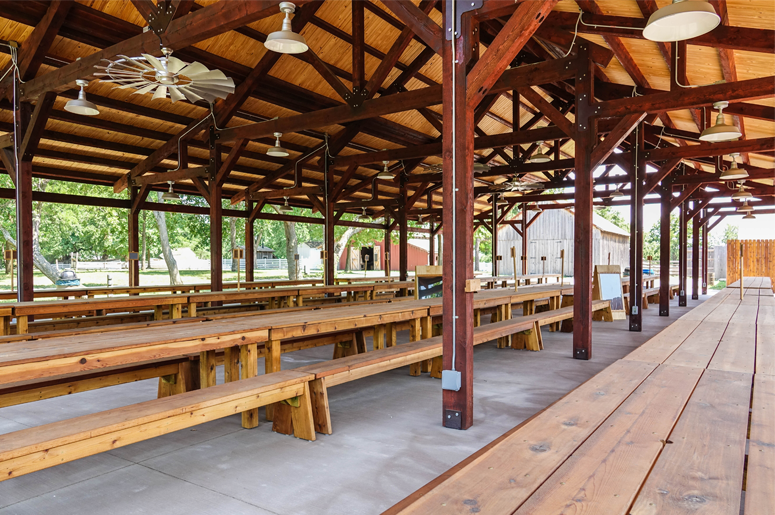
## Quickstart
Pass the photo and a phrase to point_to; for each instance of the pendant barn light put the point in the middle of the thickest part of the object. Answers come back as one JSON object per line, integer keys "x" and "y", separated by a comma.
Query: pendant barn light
{"x": 80, "y": 105}
{"x": 733, "y": 173}
{"x": 741, "y": 194}
{"x": 385, "y": 173}
{"x": 502, "y": 201}
{"x": 721, "y": 131}
{"x": 616, "y": 193}
{"x": 745, "y": 208}
{"x": 539, "y": 157}
{"x": 277, "y": 150}
{"x": 365, "y": 217}
{"x": 285, "y": 208}
{"x": 286, "y": 41}
{"x": 681, "y": 20}
{"x": 749, "y": 216}
{"x": 170, "y": 195}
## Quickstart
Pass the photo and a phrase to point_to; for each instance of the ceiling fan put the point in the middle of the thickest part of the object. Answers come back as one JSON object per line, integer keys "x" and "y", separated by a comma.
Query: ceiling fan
{"x": 478, "y": 167}
{"x": 516, "y": 184}
{"x": 167, "y": 75}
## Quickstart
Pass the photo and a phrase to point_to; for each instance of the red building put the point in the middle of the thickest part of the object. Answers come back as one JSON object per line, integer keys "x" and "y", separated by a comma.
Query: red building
{"x": 417, "y": 254}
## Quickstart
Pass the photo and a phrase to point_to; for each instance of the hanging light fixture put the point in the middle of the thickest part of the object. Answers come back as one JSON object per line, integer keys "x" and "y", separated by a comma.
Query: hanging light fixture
{"x": 741, "y": 194}
{"x": 502, "y": 201}
{"x": 681, "y": 20}
{"x": 539, "y": 157}
{"x": 745, "y": 208}
{"x": 616, "y": 193}
{"x": 169, "y": 194}
{"x": 285, "y": 208}
{"x": 721, "y": 131}
{"x": 733, "y": 173}
{"x": 286, "y": 41}
{"x": 749, "y": 216}
{"x": 365, "y": 217}
{"x": 385, "y": 174}
{"x": 536, "y": 208}
{"x": 277, "y": 150}
{"x": 481, "y": 167}
{"x": 80, "y": 105}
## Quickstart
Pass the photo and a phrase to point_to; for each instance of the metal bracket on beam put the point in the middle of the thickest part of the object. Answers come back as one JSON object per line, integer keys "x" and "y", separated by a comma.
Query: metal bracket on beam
{"x": 359, "y": 95}
{"x": 461, "y": 7}
{"x": 159, "y": 18}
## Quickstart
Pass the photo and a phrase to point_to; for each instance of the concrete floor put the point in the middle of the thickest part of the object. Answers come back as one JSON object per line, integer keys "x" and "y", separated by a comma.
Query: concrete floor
{"x": 387, "y": 442}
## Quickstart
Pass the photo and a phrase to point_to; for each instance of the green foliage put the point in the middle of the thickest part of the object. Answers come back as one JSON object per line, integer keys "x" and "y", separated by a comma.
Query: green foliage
{"x": 614, "y": 216}
{"x": 731, "y": 233}
{"x": 651, "y": 239}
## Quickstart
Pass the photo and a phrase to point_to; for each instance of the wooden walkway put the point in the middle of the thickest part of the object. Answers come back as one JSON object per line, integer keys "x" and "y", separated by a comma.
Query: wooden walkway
{"x": 664, "y": 430}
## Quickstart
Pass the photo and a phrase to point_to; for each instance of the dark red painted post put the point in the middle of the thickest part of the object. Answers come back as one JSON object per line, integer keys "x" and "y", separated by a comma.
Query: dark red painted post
{"x": 666, "y": 193}
{"x": 134, "y": 236}
{"x": 523, "y": 258}
{"x": 403, "y": 236}
{"x": 495, "y": 262}
{"x": 705, "y": 247}
{"x": 458, "y": 218}
{"x": 250, "y": 251}
{"x": 696, "y": 250}
{"x": 431, "y": 239}
{"x": 586, "y": 136}
{"x": 636, "y": 230}
{"x": 330, "y": 225}
{"x": 682, "y": 254}
{"x": 216, "y": 217}
{"x": 25, "y": 279}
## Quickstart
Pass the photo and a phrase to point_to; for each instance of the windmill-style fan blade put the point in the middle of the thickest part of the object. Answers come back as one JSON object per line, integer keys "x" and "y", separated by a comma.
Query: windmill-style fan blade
{"x": 174, "y": 64}
{"x": 193, "y": 69}
{"x": 207, "y": 94}
{"x": 160, "y": 93}
{"x": 207, "y": 75}
{"x": 133, "y": 85}
{"x": 154, "y": 62}
{"x": 190, "y": 95}
{"x": 136, "y": 63}
{"x": 146, "y": 89}
{"x": 212, "y": 88}
{"x": 176, "y": 95}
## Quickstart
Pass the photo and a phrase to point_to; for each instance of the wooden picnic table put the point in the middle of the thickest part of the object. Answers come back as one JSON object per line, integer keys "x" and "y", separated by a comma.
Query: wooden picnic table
{"x": 679, "y": 425}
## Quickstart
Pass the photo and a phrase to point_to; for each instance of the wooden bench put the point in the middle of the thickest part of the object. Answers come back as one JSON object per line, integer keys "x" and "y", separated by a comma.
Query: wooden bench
{"x": 38, "y": 448}
{"x": 521, "y": 333}
{"x": 649, "y": 295}
{"x": 661, "y": 431}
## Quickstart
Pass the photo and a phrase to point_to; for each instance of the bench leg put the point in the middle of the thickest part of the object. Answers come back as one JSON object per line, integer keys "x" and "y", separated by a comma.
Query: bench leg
{"x": 192, "y": 309}
{"x": 176, "y": 311}
{"x": 379, "y": 337}
{"x": 6, "y": 329}
{"x": 528, "y": 308}
{"x": 185, "y": 380}
{"x": 321, "y": 415}
{"x": 530, "y": 339}
{"x": 477, "y": 318}
{"x": 295, "y": 416}
{"x": 415, "y": 369}
{"x": 360, "y": 343}
{"x": 645, "y": 302}
{"x": 504, "y": 313}
{"x": 22, "y": 324}
{"x": 299, "y": 301}
{"x": 271, "y": 364}
{"x": 436, "y": 367}
{"x": 158, "y": 313}
{"x": 248, "y": 357}
{"x": 426, "y": 325}
{"x": 167, "y": 385}
{"x": 390, "y": 335}
{"x": 231, "y": 361}
{"x": 207, "y": 368}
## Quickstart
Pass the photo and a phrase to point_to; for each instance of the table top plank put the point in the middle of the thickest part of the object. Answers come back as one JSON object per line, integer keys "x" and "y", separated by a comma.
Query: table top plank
{"x": 760, "y": 473}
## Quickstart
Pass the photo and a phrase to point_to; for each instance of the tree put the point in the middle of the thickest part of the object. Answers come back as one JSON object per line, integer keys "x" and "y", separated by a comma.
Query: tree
{"x": 233, "y": 240}
{"x": 651, "y": 240}
{"x": 614, "y": 216}
{"x": 731, "y": 233}
{"x": 172, "y": 264}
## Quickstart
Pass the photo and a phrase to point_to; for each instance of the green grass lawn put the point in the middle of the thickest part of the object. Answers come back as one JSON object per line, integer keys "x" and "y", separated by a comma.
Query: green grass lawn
{"x": 720, "y": 285}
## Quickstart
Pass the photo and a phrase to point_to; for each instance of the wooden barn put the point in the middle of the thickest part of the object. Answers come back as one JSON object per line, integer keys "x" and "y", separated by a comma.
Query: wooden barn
{"x": 552, "y": 232}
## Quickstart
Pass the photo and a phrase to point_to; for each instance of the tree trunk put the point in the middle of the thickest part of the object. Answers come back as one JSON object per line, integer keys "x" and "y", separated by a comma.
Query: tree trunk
{"x": 172, "y": 265}
{"x": 291, "y": 248}
{"x": 347, "y": 260}
{"x": 233, "y": 235}
{"x": 342, "y": 244}
{"x": 476, "y": 255}
{"x": 438, "y": 249}
{"x": 145, "y": 247}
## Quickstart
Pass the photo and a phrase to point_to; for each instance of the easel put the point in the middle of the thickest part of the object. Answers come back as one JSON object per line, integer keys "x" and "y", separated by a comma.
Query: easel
{"x": 619, "y": 313}
{"x": 238, "y": 254}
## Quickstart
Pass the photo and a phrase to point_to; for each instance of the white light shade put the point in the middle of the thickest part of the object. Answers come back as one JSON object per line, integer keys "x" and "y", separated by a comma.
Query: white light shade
{"x": 286, "y": 41}
{"x": 745, "y": 208}
{"x": 741, "y": 195}
{"x": 285, "y": 208}
{"x": 733, "y": 173}
{"x": 749, "y": 216}
{"x": 277, "y": 150}
{"x": 681, "y": 20}
{"x": 540, "y": 157}
{"x": 385, "y": 173}
{"x": 170, "y": 195}
{"x": 616, "y": 194}
{"x": 720, "y": 132}
{"x": 80, "y": 105}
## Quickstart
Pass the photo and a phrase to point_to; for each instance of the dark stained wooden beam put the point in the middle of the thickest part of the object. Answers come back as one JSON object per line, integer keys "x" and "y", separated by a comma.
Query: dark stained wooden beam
{"x": 174, "y": 176}
{"x": 36, "y": 126}
{"x": 663, "y": 171}
{"x": 505, "y": 47}
{"x": 38, "y": 43}
{"x": 418, "y": 21}
{"x": 622, "y": 129}
{"x": 548, "y": 110}
{"x": 711, "y": 149}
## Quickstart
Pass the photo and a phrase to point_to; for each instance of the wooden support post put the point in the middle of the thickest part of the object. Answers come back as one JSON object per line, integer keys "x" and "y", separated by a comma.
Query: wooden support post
{"x": 494, "y": 222}
{"x": 403, "y": 239}
{"x": 133, "y": 230}
{"x": 330, "y": 223}
{"x": 24, "y": 280}
{"x": 250, "y": 251}
{"x": 248, "y": 357}
{"x": 705, "y": 246}
{"x": 387, "y": 255}
{"x": 524, "y": 240}
{"x": 390, "y": 335}
{"x": 378, "y": 337}
{"x": 231, "y": 361}
{"x": 682, "y": 254}
{"x": 696, "y": 257}
{"x": 666, "y": 196}
{"x": 321, "y": 415}
{"x": 216, "y": 218}
{"x": 458, "y": 201}
{"x": 636, "y": 228}
{"x": 586, "y": 136}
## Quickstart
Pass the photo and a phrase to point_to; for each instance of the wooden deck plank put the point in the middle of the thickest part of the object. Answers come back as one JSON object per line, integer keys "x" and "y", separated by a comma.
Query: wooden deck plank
{"x": 701, "y": 471}
{"x": 765, "y": 349}
{"x": 507, "y": 474}
{"x": 698, "y": 348}
{"x": 736, "y": 351}
{"x": 661, "y": 346}
{"x": 605, "y": 473}
{"x": 760, "y": 474}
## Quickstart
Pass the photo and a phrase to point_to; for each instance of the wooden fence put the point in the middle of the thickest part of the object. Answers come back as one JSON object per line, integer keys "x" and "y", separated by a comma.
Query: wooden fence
{"x": 758, "y": 259}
